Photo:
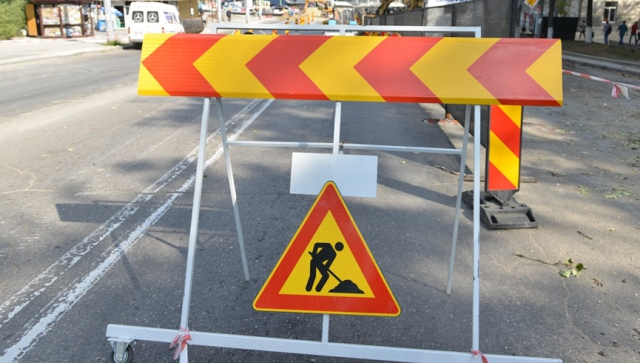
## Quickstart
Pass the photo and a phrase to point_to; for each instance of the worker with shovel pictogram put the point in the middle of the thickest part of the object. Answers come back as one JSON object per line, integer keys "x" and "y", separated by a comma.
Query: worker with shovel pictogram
{"x": 322, "y": 257}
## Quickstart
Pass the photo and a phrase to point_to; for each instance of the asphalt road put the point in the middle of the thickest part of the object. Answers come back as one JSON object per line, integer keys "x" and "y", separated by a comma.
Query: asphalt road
{"x": 96, "y": 191}
{"x": 91, "y": 170}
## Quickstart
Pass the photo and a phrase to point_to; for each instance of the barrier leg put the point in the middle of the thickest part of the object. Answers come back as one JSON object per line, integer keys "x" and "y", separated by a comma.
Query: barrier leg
{"x": 232, "y": 187}
{"x": 463, "y": 165}
{"x": 195, "y": 217}
{"x": 476, "y": 231}
{"x": 336, "y": 127}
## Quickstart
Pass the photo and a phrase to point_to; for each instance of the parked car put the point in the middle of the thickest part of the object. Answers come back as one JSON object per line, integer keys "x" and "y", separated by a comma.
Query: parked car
{"x": 151, "y": 17}
{"x": 279, "y": 9}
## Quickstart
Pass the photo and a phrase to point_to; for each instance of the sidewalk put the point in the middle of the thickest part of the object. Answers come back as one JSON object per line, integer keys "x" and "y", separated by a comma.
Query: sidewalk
{"x": 29, "y": 49}
{"x": 603, "y": 63}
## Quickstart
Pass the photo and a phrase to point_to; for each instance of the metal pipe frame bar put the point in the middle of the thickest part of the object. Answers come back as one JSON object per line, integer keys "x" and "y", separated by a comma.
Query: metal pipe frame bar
{"x": 336, "y": 127}
{"x": 294, "y": 346}
{"x": 325, "y": 328}
{"x": 195, "y": 216}
{"x": 347, "y": 28}
{"x": 327, "y": 145}
{"x": 456, "y": 222}
{"x": 232, "y": 188}
{"x": 475, "y": 341}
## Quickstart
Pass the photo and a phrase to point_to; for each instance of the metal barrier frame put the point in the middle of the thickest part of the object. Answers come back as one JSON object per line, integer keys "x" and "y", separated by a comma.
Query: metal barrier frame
{"x": 121, "y": 336}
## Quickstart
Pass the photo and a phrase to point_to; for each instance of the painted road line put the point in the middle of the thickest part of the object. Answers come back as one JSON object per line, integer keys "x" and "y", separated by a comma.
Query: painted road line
{"x": 39, "y": 284}
{"x": 70, "y": 296}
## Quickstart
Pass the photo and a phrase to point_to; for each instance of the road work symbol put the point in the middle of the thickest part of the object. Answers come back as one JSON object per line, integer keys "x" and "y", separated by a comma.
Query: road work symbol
{"x": 326, "y": 249}
{"x": 322, "y": 257}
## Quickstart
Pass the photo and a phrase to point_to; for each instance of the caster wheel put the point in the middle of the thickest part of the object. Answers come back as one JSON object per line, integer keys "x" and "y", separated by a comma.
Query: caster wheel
{"x": 128, "y": 356}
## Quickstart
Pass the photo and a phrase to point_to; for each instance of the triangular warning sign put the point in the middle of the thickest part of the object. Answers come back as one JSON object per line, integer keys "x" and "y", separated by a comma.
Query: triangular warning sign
{"x": 327, "y": 267}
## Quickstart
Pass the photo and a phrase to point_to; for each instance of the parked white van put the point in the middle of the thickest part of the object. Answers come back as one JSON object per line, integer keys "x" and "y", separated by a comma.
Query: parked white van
{"x": 151, "y": 17}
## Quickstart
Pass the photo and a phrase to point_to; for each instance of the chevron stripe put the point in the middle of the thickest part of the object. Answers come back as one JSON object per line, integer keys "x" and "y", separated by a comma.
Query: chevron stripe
{"x": 444, "y": 69}
{"x": 541, "y": 71}
{"x": 498, "y": 180}
{"x": 398, "y": 83}
{"x": 505, "y": 124}
{"x": 504, "y": 160}
{"x": 224, "y": 66}
{"x": 512, "y": 84}
{"x": 332, "y": 68}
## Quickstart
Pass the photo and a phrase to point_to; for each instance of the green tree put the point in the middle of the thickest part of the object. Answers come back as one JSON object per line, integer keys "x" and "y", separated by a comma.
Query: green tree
{"x": 12, "y": 18}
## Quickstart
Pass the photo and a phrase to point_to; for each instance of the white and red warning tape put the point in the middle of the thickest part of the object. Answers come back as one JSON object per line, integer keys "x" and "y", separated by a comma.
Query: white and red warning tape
{"x": 617, "y": 87}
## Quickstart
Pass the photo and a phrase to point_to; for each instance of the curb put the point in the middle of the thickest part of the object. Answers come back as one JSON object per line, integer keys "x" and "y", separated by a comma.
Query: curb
{"x": 602, "y": 63}
{"x": 101, "y": 49}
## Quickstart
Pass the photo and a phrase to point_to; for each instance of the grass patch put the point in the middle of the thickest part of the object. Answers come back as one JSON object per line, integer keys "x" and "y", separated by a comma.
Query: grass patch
{"x": 612, "y": 51}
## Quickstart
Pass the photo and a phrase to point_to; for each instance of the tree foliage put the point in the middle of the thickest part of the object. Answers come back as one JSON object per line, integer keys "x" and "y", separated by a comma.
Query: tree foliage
{"x": 12, "y": 18}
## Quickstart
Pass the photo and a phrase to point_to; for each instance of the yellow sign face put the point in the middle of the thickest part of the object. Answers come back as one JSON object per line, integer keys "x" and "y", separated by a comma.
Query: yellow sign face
{"x": 344, "y": 265}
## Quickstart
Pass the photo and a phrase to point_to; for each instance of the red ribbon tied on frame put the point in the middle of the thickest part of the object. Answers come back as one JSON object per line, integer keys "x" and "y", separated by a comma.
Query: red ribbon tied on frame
{"x": 180, "y": 342}
{"x": 477, "y": 352}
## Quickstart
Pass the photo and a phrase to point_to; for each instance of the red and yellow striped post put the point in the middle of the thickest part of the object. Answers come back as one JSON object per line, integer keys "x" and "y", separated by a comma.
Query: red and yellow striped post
{"x": 503, "y": 151}
{"x": 502, "y": 173}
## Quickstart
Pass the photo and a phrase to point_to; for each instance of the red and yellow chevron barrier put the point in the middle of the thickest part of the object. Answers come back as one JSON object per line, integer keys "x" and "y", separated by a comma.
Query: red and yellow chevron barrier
{"x": 480, "y": 71}
{"x": 503, "y": 152}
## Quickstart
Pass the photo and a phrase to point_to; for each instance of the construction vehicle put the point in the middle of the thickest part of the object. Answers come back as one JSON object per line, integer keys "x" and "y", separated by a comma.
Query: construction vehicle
{"x": 340, "y": 11}
{"x": 386, "y": 5}
{"x": 324, "y": 6}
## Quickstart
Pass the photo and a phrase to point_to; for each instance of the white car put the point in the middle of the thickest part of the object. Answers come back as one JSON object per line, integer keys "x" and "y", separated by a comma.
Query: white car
{"x": 152, "y": 17}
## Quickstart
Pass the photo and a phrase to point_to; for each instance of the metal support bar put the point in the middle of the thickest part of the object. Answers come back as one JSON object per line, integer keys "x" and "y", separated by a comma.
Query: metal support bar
{"x": 456, "y": 222}
{"x": 345, "y": 146}
{"x": 475, "y": 341}
{"x": 325, "y": 328}
{"x": 232, "y": 188}
{"x": 344, "y": 28}
{"x": 294, "y": 346}
{"x": 195, "y": 216}
{"x": 336, "y": 128}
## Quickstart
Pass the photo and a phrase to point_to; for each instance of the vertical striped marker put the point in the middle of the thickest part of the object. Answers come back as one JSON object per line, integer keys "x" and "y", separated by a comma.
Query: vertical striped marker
{"x": 503, "y": 156}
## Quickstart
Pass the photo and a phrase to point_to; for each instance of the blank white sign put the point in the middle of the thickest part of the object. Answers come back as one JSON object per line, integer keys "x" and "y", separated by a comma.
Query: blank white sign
{"x": 355, "y": 175}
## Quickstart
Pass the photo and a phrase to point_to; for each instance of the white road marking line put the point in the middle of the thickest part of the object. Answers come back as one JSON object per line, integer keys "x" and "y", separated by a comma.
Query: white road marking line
{"x": 70, "y": 296}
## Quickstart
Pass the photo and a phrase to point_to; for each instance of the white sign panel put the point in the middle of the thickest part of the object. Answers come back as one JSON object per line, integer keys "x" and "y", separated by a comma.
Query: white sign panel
{"x": 435, "y": 3}
{"x": 355, "y": 175}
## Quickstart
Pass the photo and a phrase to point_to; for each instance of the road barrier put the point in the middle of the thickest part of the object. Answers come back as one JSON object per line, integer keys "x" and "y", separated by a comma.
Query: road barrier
{"x": 470, "y": 71}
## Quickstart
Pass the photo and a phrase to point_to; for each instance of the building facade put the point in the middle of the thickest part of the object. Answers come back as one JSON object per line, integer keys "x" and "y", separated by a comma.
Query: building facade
{"x": 614, "y": 11}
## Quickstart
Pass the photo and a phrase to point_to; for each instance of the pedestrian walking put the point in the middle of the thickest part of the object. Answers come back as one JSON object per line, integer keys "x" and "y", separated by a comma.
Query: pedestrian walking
{"x": 606, "y": 30}
{"x": 583, "y": 28}
{"x": 634, "y": 32}
{"x": 229, "y": 15}
{"x": 622, "y": 30}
